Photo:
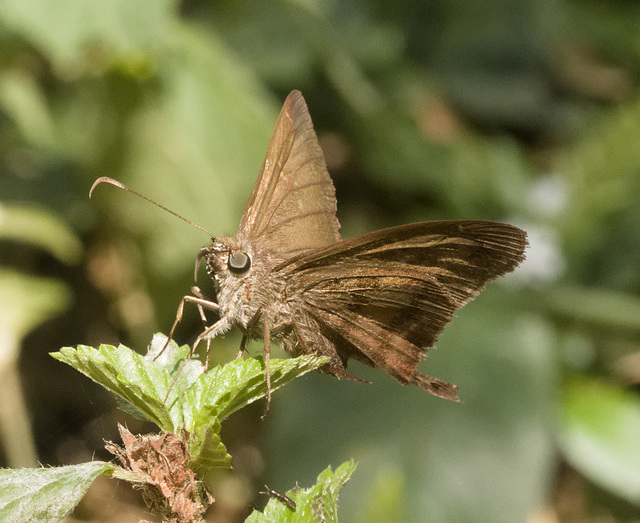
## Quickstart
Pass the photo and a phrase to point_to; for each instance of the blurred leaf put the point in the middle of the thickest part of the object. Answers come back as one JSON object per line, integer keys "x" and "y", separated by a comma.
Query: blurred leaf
{"x": 42, "y": 228}
{"x": 27, "y": 301}
{"x": 47, "y": 494}
{"x": 603, "y": 170}
{"x": 318, "y": 503}
{"x": 599, "y": 429}
{"x": 611, "y": 27}
{"x": 66, "y": 30}
{"x": 497, "y": 169}
{"x": 22, "y": 99}
{"x": 615, "y": 311}
{"x": 386, "y": 501}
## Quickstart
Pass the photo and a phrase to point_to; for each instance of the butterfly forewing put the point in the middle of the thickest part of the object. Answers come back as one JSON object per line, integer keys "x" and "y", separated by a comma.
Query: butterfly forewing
{"x": 384, "y": 297}
{"x": 293, "y": 206}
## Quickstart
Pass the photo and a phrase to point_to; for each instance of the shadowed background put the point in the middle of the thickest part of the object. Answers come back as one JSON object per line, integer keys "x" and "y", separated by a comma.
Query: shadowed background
{"x": 520, "y": 111}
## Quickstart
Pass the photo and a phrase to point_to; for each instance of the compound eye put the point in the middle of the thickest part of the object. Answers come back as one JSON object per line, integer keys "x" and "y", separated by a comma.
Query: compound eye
{"x": 239, "y": 263}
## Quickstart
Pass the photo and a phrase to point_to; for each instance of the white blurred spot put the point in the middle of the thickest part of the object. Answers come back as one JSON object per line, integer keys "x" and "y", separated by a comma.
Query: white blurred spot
{"x": 549, "y": 195}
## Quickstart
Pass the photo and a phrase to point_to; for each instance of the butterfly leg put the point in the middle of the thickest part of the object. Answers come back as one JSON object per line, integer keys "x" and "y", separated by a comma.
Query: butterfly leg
{"x": 210, "y": 332}
{"x": 198, "y": 293}
{"x": 267, "y": 365}
{"x": 201, "y": 303}
{"x": 219, "y": 327}
{"x": 250, "y": 326}
{"x": 243, "y": 346}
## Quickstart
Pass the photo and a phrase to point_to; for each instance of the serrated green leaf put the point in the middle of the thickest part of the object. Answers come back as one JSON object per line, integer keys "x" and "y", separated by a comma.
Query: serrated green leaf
{"x": 318, "y": 503}
{"x": 227, "y": 388}
{"x": 172, "y": 390}
{"x": 47, "y": 494}
{"x": 206, "y": 447}
{"x": 599, "y": 435}
{"x": 140, "y": 381}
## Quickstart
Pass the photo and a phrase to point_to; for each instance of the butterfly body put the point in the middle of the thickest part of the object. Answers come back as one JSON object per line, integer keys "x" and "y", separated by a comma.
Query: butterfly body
{"x": 260, "y": 298}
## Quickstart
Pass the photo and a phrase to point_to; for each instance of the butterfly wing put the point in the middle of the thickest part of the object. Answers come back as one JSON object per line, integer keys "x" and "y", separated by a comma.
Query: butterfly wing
{"x": 383, "y": 297}
{"x": 292, "y": 208}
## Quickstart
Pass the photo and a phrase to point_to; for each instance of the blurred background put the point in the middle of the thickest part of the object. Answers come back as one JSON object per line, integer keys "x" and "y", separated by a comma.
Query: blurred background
{"x": 525, "y": 111}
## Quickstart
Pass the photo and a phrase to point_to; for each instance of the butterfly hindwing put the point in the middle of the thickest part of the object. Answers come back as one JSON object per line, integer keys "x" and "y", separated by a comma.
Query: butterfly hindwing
{"x": 385, "y": 296}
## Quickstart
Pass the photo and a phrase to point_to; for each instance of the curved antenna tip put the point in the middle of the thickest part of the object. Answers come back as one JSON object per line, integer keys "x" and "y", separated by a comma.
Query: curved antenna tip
{"x": 105, "y": 179}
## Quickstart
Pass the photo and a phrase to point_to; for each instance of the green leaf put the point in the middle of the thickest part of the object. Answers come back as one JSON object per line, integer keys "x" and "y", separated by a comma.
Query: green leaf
{"x": 26, "y": 301}
{"x": 42, "y": 228}
{"x": 47, "y": 494}
{"x": 206, "y": 448}
{"x": 174, "y": 392}
{"x": 22, "y": 97}
{"x": 604, "y": 308}
{"x": 230, "y": 387}
{"x": 63, "y": 29}
{"x": 224, "y": 390}
{"x": 600, "y": 425}
{"x": 142, "y": 383}
{"x": 318, "y": 503}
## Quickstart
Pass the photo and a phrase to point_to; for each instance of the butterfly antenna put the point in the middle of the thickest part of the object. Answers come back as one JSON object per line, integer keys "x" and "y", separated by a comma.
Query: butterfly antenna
{"x": 106, "y": 179}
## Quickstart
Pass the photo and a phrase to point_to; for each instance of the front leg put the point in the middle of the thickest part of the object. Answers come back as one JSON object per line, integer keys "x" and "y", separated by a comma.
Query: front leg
{"x": 219, "y": 327}
{"x": 200, "y": 301}
{"x": 195, "y": 290}
{"x": 202, "y": 304}
{"x": 198, "y": 293}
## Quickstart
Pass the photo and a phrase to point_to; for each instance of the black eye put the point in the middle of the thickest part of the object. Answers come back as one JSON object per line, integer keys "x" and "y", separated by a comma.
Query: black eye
{"x": 239, "y": 262}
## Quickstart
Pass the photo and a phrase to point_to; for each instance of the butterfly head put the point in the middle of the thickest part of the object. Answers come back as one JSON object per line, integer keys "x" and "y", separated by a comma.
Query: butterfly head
{"x": 226, "y": 259}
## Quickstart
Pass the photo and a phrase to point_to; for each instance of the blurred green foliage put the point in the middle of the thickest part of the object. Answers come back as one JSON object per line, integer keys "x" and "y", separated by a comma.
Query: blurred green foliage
{"x": 526, "y": 111}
